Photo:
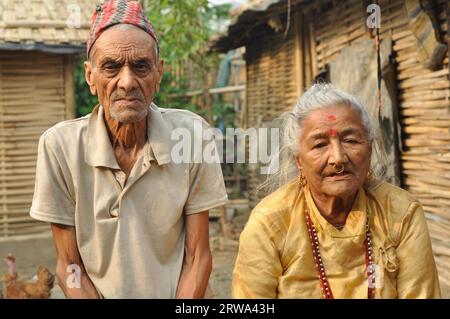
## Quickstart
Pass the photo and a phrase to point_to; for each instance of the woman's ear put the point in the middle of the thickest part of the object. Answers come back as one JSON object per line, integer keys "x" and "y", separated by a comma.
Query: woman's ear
{"x": 89, "y": 77}
{"x": 298, "y": 162}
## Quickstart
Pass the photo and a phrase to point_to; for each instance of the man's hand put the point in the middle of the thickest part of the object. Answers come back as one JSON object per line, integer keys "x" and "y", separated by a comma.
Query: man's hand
{"x": 197, "y": 264}
{"x": 68, "y": 254}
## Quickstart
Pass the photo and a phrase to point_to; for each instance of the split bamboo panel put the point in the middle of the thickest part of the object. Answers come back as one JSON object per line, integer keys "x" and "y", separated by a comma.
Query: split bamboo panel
{"x": 423, "y": 103}
{"x": 272, "y": 86}
{"x": 337, "y": 29}
{"x": 33, "y": 89}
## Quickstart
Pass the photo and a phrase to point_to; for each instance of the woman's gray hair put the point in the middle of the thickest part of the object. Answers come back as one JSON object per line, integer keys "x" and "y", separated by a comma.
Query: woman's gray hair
{"x": 317, "y": 97}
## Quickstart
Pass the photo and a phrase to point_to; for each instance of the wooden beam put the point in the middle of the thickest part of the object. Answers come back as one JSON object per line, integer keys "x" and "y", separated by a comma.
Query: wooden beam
{"x": 221, "y": 90}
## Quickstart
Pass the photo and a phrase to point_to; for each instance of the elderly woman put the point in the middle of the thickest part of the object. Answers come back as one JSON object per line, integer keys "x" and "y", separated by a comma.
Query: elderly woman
{"x": 337, "y": 230}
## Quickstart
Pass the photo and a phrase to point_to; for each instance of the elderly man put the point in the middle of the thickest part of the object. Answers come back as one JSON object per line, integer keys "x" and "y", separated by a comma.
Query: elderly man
{"x": 127, "y": 221}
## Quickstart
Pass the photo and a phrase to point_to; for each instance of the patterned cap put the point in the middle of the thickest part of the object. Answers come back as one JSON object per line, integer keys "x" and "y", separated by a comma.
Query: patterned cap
{"x": 112, "y": 12}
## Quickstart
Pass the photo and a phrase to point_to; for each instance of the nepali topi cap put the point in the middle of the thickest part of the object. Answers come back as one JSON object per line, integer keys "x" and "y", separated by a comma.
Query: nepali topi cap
{"x": 112, "y": 12}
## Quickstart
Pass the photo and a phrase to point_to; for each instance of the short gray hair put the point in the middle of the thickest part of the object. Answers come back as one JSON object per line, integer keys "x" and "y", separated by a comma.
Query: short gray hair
{"x": 321, "y": 96}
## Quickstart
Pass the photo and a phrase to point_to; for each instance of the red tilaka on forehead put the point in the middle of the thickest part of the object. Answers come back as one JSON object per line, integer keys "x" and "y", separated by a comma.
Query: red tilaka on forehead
{"x": 332, "y": 132}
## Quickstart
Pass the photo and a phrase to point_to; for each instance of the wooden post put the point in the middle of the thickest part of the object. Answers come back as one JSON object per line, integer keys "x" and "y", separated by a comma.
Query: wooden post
{"x": 312, "y": 47}
{"x": 299, "y": 54}
{"x": 207, "y": 98}
{"x": 306, "y": 52}
{"x": 3, "y": 208}
{"x": 69, "y": 89}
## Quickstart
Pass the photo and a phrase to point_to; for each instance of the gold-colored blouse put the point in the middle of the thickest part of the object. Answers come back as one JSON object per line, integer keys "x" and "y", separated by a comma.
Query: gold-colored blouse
{"x": 275, "y": 257}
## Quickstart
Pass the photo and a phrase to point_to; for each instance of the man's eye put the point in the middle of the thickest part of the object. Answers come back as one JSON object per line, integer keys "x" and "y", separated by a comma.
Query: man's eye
{"x": 111, "y": 67}
{"x": 351, "y": 141}
{"x": 141, "y": 67}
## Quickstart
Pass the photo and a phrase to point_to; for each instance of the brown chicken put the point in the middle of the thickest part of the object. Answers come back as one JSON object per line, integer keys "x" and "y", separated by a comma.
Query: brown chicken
{"x": 15, "y": 289}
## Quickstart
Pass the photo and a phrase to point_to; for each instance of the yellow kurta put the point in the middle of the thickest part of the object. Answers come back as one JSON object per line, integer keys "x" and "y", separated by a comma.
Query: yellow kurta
{"x": 275, "y": 257}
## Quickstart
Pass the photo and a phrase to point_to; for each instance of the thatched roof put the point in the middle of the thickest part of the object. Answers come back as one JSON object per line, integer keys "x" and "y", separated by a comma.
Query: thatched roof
{"x": 250, "y": 16}
{"x": 45, "y": 25}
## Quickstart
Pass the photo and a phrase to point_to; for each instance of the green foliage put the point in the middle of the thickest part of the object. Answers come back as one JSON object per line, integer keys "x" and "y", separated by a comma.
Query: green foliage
{"x": 184, "y": 28}
{"x": 170, "y": 86}
{"x": 84, "y": 100}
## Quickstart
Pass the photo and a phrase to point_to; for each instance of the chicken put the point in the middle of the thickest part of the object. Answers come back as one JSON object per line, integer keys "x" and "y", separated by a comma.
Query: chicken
{"x": 11, "y": 274}
{"x": 15, "y": 289}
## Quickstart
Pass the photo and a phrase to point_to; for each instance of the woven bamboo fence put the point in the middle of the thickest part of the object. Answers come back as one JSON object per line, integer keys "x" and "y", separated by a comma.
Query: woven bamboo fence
{"x": 423, "y": 103}
{"x": 424, "y": 98}
{"x": 272, "y": 87}
{"x": 279, "y": 67}
{"x": 33, "y": 97}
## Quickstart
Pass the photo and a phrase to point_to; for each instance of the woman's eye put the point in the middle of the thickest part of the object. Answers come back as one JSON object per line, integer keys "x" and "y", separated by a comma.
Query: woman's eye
{"x": 320, "y": 145}
{"x": 351, "y": 141}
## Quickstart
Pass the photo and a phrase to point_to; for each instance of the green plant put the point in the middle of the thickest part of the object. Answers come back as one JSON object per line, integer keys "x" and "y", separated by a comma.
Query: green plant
{"x": 84, "y": 100}
{"x": 184, "y": 28}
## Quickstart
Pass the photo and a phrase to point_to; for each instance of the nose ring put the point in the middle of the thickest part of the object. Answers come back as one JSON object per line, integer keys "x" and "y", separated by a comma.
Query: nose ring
{"x": 339, "y": 168}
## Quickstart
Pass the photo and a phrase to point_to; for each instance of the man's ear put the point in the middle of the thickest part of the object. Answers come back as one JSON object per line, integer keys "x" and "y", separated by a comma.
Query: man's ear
{"x": 89, "y": 77}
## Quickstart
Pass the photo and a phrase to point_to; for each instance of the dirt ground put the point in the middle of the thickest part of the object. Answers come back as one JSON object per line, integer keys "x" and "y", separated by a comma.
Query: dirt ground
{"x": 224, "y": 249}
{"x": 32, "y": 252}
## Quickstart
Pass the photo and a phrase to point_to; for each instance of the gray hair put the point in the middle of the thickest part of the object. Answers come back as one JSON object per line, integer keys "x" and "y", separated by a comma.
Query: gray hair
{"x": 321, "y": 96}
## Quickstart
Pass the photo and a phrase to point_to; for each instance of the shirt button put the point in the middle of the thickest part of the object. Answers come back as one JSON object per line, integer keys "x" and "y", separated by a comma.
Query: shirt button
{"x": 114, "y": 213}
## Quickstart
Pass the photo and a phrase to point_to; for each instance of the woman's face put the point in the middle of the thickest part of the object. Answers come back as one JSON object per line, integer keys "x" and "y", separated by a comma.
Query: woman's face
{"x": 334, "y": 135}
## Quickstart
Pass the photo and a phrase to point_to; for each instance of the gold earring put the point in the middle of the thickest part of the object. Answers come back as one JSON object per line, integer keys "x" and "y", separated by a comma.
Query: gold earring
{"x": 370, "y": 176}
{"x": 301, "y": 179}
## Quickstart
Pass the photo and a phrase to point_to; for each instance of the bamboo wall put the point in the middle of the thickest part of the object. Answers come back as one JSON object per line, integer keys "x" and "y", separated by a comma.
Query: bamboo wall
{"x": 36, "y": 92}
{"x": 272, "y": 86}
{"x": 425, "y": 108}
{"x": 423, "y": 98}
{"x": 423, "y": 104}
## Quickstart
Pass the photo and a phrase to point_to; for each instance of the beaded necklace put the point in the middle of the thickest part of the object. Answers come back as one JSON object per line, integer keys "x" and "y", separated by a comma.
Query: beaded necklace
{"x": 326, "y": 289}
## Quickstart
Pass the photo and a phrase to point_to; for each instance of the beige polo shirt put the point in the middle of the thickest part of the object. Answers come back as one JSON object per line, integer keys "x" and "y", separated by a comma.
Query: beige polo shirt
{"x": 131, "y": 233}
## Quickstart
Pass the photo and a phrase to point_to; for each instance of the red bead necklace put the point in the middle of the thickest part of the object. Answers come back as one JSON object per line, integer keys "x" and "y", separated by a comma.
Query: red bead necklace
{"x": 326, "y": 289}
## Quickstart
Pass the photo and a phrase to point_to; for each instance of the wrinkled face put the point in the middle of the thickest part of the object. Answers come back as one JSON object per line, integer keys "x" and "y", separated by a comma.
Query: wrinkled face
{"x": 125, "y": 72}
{"x": 334, "y": 135}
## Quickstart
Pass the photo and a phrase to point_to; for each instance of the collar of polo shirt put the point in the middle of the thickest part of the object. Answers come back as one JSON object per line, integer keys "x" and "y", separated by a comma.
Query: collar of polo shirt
{"x": 99, "y": 150}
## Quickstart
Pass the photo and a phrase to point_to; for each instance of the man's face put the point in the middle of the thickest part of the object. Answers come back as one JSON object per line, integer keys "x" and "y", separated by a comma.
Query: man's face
{"x": 125, "y": 72}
